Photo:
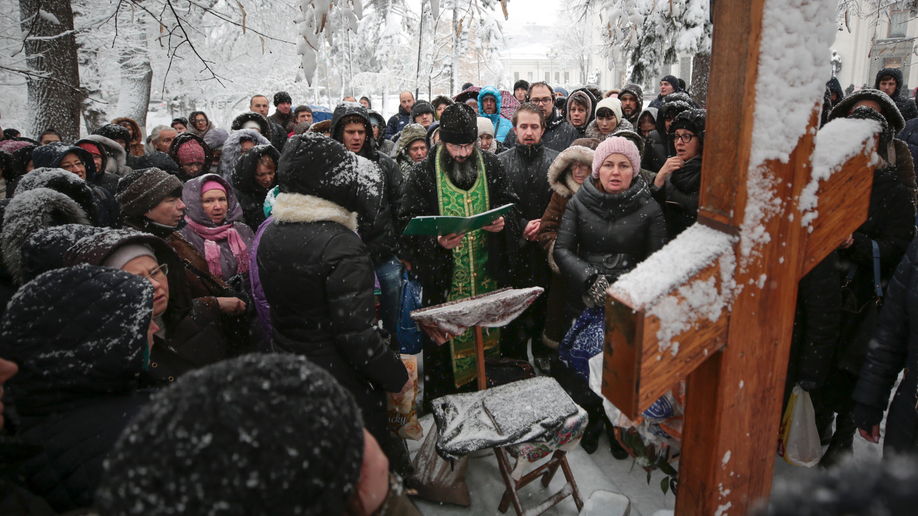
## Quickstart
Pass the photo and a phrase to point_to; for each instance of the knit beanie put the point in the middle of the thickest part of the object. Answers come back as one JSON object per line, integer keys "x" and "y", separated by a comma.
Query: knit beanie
{"x": 485, "y": 126}
{"x": 126, "y": 253}
{"x": 281, "y": 97}
{"x": 212, "y": 185}
{"x": 612, "y": 103}
{"x": 91, "y": 148}
{"x": 458, "y": 125}
{"x": 616, "y": 145}
{"x": 692, "y": 120}
{"x": 420, "y": 107}
{"x": 251, "y": 124}
{"x": 190, "y": 152}
{"x": 673, "y": 81}
{"x": 145, "y": 188}
{"x": 258, "y": 434}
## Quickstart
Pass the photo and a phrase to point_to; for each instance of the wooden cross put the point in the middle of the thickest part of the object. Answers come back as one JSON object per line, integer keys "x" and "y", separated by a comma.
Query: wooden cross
{"x": 735, "y": 367}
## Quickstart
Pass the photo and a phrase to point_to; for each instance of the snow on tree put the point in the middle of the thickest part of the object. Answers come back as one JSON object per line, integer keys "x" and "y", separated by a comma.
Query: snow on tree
{"x": 649, "y": 34}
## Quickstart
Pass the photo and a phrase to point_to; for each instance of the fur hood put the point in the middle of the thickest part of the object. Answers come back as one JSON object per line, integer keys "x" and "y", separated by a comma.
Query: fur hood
{"x": 592, "y": 130}
{"x": 299, "y": 208}
{"x": 137, "y": 137}
{"x": 252, "y": 116}
{"x": 558, "y": 173}
{"x": 232, "y": 149}
{"x": 30, "y": 212}
{"x": 116, "y": 158}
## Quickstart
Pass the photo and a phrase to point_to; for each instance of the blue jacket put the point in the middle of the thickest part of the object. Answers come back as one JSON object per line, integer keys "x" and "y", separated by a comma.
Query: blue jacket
{"x": 397, "y": 122}
{"x": 501, "y": 125}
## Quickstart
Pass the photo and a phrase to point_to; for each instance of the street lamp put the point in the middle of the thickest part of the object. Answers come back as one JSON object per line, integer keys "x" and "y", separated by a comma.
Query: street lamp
{"x": 551, "y": 55}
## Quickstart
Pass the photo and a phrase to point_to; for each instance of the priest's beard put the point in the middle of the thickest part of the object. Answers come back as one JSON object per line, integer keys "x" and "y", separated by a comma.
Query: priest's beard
{"x": 462, "y": 174}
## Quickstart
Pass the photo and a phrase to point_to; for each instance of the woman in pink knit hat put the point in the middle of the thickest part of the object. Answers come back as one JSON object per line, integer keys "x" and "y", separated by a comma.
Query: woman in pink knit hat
{"x": 610, "y": 225}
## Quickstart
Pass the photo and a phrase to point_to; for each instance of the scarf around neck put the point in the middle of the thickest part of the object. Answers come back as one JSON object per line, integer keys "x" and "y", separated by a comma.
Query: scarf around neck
{"x": 217, "y": 234}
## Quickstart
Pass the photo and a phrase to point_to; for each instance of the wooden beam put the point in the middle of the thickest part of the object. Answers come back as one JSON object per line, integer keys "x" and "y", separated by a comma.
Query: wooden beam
{"x": 636, "y": 372}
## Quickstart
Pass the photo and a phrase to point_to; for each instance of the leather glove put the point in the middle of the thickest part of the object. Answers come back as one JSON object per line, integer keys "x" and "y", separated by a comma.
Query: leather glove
{"x": 596, "y": 295}
{"x": 865, "y": 416}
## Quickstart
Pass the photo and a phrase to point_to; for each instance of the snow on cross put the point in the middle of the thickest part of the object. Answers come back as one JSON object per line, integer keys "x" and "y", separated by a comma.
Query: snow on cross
{"x": 731, "y": 307}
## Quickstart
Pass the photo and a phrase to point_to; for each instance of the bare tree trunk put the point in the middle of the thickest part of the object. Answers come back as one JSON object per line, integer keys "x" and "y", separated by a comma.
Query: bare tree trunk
{"x": 454, "y": 52}
{"x": 136, "y": 72}
{"x": 701, "y": 70}
{"x": 51, "y": 54}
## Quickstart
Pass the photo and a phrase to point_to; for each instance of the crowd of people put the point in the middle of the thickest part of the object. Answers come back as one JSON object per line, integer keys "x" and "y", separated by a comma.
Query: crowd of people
{"x": 216, "y": 313}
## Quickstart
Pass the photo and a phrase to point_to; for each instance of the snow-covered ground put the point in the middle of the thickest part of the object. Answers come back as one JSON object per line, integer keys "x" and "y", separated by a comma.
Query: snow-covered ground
{"x": 599, "y": 471}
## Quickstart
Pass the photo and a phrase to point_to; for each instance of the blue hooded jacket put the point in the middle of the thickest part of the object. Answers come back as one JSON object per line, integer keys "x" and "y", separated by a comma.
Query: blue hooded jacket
{"x": 501, "y": 125}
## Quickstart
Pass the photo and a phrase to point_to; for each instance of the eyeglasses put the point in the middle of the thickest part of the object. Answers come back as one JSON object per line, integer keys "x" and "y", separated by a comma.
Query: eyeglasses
{"x": 159, "y": 273}
{"x": 543, "y": 100}
{"x": 685, "y": 137}
{"x": 199, "y": 120}
{"x": 70, "y": 166}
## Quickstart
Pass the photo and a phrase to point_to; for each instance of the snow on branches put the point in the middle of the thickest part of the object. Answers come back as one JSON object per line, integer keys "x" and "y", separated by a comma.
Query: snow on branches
{"x": 314, "y": 20}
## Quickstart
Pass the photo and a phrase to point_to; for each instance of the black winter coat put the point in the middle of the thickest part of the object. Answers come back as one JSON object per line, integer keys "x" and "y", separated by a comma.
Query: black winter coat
{"x": 430, "y": 262}
{"x": 318, "y": 281}
{"x": 559, "y": 133}
{"x": 527, "y": 170}
{"x": 250, "y": 194}
{"x": 108, "y": 212}
{"x": 894, "y": 347}
{"x": 606, "y": 234}
{"x": 679, "y": 197}
{"x": 909, "y": 135}
{"x": 906, "y": 106}
{"x": 79, "y": 363}
{"x": 654, "y": 152}
{"x": 382, "y": 232}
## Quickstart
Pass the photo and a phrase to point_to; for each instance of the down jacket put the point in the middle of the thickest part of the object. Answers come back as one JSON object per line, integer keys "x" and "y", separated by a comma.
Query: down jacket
{"x": 250, "y": 194}
{"x": 48, "y": 157}
{"x": 502, "y": 126}
{"x": 607, "y": 234}
{"x": 80, "y": 356}
{"x": 894, "y": 347}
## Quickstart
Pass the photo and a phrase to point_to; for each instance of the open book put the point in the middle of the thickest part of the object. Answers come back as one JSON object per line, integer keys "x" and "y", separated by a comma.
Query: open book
{"x": 439, "y": 226}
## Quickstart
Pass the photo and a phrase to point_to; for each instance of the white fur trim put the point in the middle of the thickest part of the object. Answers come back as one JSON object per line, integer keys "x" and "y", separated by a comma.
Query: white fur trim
{"x": 558, "y": 177}
{"x": 291, "y": 207}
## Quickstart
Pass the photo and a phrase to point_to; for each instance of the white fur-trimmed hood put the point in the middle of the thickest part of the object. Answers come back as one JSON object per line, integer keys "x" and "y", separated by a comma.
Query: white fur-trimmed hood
{"x": 291, "y": 207}
{"x": 559, "y": 177}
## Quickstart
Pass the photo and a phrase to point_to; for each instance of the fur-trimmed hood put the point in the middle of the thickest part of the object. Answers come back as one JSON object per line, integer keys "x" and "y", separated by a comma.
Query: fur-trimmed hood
{"x": 232, "y": 149}
{"x": 559, "y": 176}
{"x": 116, "y": 162}
{"x": 137, "y": 136}
{"x": 292, "y": 208}
{"x": 29, "y": 212}
{"x": 252, "y": 116}
{"x": 592, "y": 130}
{"x": 887, "y": 105}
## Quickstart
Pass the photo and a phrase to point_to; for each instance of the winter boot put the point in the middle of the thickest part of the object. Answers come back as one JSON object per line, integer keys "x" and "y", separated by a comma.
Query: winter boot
{"x": 614, "y": 446}
{"x": 842, "y": 443}
{"x": 590, "y": 439}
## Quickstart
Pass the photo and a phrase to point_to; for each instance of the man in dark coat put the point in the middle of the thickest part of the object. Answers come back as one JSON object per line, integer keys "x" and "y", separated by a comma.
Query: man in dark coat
{"x": 890, "y": 82}
{"x": 398, "y": 121}
{"x": 527, "y": 166}
{"x": 283, "y": 114}
{"x": 350, "y": 125}
{"x": 559, "y": 133}
{"x": 80, "y": 356}
{"x": 668, "y": 85}
{"x": 454, "y": 266}
{"x": 318, "y": 277}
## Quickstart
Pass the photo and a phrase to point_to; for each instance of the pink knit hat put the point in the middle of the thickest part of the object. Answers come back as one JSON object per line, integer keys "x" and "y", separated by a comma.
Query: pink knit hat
{"x": 191, "y": 152}
{"x": 616, "y": 145}
{"x": 212, "y": 185}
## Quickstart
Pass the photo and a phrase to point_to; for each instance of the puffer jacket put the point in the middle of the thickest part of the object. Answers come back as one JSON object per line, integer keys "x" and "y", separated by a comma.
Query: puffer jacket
{"x": 318, "y": 278}
{"x": 191, "y": 196}
{"x": 80, "y": 358}
{"x": 380, "y": 232}
{"x": 679, "y": 197}
{"x": 397, "y": 122}
{"x": 191, "y": 336}
{"x": 607, "y": 234}
{"x": 502, "y": 126}
{"x": 250, "y": 194}
{"x": 559, "y": 133}
{"x": 527, "y": 167}
{"x": 894, "y": 347}
{"x": 232, "y": 149}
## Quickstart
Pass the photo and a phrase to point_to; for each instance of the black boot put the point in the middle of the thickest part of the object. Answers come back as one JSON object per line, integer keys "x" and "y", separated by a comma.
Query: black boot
{"x": 614, "y": 446}
{"x": 590, "y": 439}
{"x": 842, "y": 443}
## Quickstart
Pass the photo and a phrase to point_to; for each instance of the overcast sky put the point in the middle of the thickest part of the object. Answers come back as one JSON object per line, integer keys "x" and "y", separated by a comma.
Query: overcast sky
{"x": 521, "y": 12}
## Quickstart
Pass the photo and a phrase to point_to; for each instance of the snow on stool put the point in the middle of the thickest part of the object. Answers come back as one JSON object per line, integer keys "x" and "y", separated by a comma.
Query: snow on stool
{"x": 565, "y": 439}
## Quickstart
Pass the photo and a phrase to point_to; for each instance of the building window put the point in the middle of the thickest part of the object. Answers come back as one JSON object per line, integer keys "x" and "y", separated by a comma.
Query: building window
{"x": 516, "y": 76}
{"x": 529, "y": 76}
{"x": 547, "y": 77}
{"x": 557, "y": 76}
{"x": 567, "y": 77}
{"x": 898, "y": 20}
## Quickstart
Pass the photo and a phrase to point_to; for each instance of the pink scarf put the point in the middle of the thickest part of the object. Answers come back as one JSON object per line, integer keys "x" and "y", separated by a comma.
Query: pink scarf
{"x": 212, "y": 249}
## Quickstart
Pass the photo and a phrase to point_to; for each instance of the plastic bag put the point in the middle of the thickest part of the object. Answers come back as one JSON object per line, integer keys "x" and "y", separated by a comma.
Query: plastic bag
{"x": 403, "y": 414}
{"x": 799, "y": 442}
{"x": 408, "y": 332}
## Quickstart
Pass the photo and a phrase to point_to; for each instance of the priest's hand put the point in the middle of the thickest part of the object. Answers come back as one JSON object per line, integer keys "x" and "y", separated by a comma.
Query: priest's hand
{"x": 450, "y": 241}
{"x": 496, "y": 227}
